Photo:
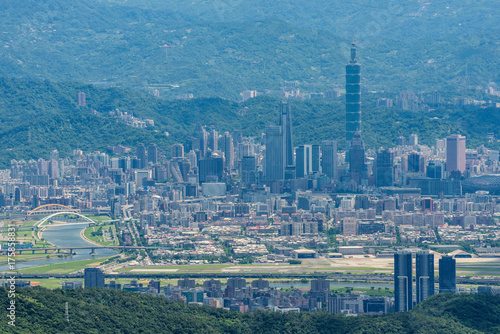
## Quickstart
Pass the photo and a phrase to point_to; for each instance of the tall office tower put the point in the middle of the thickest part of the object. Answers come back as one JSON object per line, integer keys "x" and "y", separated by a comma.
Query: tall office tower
{"x": 455, "y": 153}
{"x": 286, "y": 130}
{"x": 316, "y": 153}
{"x": 193, "y": 159}
{"x": 141, "y": 155}
{"x": 228, "y": 150}
{"x": 352, "y": 98}
{"x": 124, "y": 163}
{"x": 384, "y": 171}
{"x": 94, "y": 278}
{"x": 329, "y": 158}
{"x": 357, "y": 164}
{"x": 201, "y": 140}
{"x": 210, "y": 169}
{"x": 413, "y": 140}
{"x": 177, "y": 151}
{"x": 213, "y": 140}
{"x": 303, "y": 160}
{"x": 248, "y": 170}
{"x": 275, "y": 158}
{"x": 425, "y": 275}
{"x": 414, "y": 163}
{"x": 403, "y": 280}
{"x": 152, "y": 153}
{"x": 447, "y": 274}
{"x": 435, "y": 170}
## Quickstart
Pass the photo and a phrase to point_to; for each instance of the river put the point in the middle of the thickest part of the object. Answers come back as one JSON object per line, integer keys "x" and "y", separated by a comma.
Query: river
{"x": 65, "y": 236}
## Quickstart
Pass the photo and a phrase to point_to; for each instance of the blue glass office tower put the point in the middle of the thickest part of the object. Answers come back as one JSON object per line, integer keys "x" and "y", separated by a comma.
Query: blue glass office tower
{"x": 403, "y": 281}
{"x": 425, "y": 275}
{"x": 447, "y": 274}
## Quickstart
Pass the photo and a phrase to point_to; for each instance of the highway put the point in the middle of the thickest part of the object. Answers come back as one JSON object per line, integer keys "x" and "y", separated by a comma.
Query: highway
{"x": 336, "y": 277}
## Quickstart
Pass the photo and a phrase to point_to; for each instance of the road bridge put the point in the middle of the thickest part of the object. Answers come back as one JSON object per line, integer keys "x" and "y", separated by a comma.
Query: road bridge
{"x": 59, "y": 249}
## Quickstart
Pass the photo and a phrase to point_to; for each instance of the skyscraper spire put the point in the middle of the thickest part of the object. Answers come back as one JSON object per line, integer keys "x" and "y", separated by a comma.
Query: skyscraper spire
{"x": 353, "y": 52}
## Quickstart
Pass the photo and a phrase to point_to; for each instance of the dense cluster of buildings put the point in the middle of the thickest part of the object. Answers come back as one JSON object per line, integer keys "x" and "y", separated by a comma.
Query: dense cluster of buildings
{"x": 237, "y": 295}
{"x": 227, "y": 197}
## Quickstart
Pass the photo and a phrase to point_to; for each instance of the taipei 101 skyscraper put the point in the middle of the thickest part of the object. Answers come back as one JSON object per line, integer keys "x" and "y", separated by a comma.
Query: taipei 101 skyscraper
{"x": 352, "y": 98}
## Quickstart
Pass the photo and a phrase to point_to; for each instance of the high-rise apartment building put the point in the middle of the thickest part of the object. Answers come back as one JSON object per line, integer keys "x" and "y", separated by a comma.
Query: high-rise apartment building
{"x": 82, "y": 99}
{"x": 320, "y": 290}
{"x": 413, "y": 140}
{"x": 213, "y": 140}
{"x": 94, "y": 278}
{"x": 350, "y": 226}
{"x": 177, "y": 151}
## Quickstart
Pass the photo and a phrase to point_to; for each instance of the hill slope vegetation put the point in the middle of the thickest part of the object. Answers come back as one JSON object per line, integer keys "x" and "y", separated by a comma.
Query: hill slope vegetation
{"x": 114, "y": 311}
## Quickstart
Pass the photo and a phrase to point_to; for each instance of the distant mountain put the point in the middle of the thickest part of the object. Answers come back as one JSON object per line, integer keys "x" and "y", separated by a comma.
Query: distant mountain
{"x": 39, "y": 116}
{"x": 221, "y": 48}
{"x": 113, "y": 311}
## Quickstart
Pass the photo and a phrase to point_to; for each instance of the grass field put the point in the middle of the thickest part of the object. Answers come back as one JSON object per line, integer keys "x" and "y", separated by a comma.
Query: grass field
{"x": 100, "y": 239}
{"x": 64, "y": 268}
{"x": 33, "y": 257}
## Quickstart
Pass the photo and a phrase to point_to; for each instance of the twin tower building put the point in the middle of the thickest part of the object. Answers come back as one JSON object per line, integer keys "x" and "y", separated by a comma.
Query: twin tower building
{"x": 424, "y": 279}
{"x": 279, "y": 158}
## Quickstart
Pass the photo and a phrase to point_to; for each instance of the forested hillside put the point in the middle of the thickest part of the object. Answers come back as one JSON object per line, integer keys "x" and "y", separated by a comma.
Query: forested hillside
{"x": 222, "y": 48}
{"x": 39, "y": 116}
{"x": 114, "y": 311}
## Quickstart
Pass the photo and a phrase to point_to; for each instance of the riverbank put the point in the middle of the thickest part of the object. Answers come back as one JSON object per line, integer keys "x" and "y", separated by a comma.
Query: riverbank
{"x": 82, "y": 234}
{"x": 64, "y": 236}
